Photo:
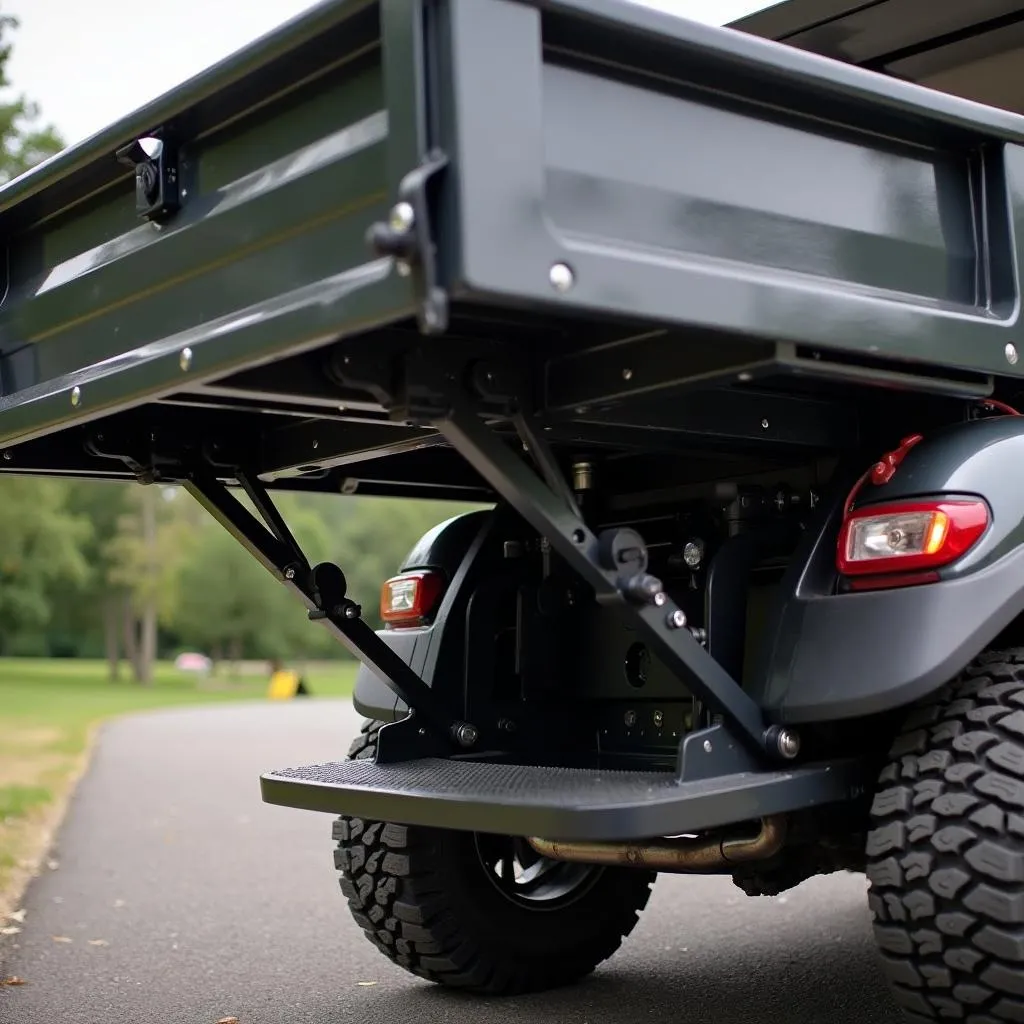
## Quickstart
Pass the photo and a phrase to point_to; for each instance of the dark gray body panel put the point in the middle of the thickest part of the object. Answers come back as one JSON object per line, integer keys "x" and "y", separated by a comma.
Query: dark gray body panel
{"x": 836, "y": 656}
{"x": 856, "y": 214}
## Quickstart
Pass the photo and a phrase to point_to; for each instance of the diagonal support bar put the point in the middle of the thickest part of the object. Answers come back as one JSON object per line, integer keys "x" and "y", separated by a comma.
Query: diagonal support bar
{"x": 568, "y": 534}
{"x": 322, "y": 591}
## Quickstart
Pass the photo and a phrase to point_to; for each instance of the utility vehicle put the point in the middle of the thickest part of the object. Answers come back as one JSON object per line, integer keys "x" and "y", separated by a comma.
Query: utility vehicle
{"x": 719, "y": 326}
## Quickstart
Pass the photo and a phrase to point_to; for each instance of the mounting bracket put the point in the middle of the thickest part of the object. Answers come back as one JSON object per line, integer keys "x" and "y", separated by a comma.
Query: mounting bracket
{"x": 408, "y": 237}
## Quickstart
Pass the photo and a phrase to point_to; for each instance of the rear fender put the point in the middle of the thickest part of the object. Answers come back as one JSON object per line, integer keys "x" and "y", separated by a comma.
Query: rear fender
{"x": 447, "y": 548}
{"x": 833, "y": 656}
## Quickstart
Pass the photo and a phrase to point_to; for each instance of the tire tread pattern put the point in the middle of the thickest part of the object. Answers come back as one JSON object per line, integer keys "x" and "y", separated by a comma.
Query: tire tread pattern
{"x": 391, "y": 879}
{"x": 945, "y": 853}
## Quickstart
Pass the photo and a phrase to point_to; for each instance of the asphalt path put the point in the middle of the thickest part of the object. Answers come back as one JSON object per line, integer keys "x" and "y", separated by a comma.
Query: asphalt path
{"x": 187, "y": 900}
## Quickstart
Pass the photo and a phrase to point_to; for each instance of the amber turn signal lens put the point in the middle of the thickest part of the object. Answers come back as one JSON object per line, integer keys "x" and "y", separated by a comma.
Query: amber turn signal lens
{"x": 410, "y": 599}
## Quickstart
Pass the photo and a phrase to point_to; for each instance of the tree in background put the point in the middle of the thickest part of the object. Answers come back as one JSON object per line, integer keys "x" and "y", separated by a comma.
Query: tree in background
{"x": 40, "y": 549}
{"x": 24, "y": 141}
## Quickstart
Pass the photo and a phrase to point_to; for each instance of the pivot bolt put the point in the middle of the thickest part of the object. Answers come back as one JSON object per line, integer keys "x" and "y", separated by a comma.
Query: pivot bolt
{"x": 466, "y": 735}
{"x": 788, "y": 744}
{"x": 561, "y": 277}
{"x": 402, "y": 218}
{"x": 676, "y": 619}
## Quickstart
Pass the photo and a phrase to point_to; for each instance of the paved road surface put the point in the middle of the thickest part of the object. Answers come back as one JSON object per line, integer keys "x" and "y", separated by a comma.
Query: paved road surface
{"x": 211, "y": 904}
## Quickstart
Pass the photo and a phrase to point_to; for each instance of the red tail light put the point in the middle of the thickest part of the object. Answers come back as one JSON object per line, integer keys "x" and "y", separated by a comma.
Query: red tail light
{"x": 908, "y": 537}
{"x": 410, "y": 599}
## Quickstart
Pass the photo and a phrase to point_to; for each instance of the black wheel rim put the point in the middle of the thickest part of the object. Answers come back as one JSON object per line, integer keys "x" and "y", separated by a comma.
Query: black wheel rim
{"x": 529, "y": 880}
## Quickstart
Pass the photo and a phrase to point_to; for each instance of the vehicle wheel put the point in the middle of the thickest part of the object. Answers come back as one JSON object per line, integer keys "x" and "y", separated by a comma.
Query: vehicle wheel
{"x": 480, "y": 912}
{"x": 945, "y": 850}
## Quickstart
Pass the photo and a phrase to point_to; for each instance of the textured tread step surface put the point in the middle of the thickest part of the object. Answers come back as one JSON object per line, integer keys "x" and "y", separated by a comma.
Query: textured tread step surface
{"x": 560, "y": 803}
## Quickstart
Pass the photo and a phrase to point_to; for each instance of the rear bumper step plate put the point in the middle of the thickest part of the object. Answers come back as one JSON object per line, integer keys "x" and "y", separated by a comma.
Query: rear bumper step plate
{"x": 555, "y": 803}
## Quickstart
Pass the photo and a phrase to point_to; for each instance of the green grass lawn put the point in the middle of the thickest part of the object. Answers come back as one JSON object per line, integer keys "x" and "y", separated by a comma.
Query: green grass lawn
{"x": 48, "y": 709}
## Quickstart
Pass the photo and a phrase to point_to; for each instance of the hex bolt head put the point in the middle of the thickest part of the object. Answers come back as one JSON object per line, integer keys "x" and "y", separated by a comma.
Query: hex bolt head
{"x": 402, "y": 217}
{"x": 466, "y": 735}
{"x": 788, "y": 743}
{"x": 676, "y": 619}
{"x": 1011, "y": 354}
{"x": 289, "y": 573}
{"x": 76, "y": 396}
{"x": 185, "y": 359}
{"x": 629, "y": 719}
{"x": 658, "y": 718}
{"x": 707, "y": 746}
{"x": 561, "y": 277}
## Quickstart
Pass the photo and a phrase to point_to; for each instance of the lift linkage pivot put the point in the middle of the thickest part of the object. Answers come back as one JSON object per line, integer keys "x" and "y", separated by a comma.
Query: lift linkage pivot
{"x": 431, "y": 728}
{"x": 614, "y": 564}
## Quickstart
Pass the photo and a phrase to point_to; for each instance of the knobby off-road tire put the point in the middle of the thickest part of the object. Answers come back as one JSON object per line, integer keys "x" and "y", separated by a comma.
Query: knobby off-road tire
{"x": 425, "y": 899}
{"x": 946, "y": 850}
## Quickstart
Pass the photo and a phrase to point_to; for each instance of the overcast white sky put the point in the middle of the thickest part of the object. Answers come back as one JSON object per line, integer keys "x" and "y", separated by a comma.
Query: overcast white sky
{"x": 90, "y": 63}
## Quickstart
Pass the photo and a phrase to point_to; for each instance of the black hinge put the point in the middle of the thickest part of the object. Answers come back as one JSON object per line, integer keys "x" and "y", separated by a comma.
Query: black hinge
{"x": 407, "y": 236}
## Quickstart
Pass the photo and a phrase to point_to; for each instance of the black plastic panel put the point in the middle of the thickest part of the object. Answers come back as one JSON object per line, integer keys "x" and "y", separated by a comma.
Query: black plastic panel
{"x": 559, "y": 803}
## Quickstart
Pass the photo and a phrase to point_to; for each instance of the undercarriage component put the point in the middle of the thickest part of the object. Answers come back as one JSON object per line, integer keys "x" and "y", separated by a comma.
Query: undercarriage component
{"x": 673, "y": 855}
{"x": 323, "y": 589}
{"x": 614, "y": 565}
{"x": 572, "y": 803}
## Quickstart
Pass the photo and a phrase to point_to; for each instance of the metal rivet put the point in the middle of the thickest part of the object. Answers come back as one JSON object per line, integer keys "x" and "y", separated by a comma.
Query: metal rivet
{"x": 402, "y": 218}
{"x": 76, "y": 396}
{"x": 403, "y": 268}
{"x": 788, "y": 744}
{"x": 676, "y": 619}
{"x": 627, "y": 374}
{"x": 764, "y": 424}
{"x": 561, "y": 277}
{"x": 707, "y": 746}
{"x": 660, "y": 598}
{"x": 630, "y": 719}
{"x": 1011, "y": 354}
{"x": 185, "y": 359}
{"x": 658, "y": 718}
{"x": 466, "y": 735}
{"x": 316, "y": 444}
{"x": 746, "y": 377}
